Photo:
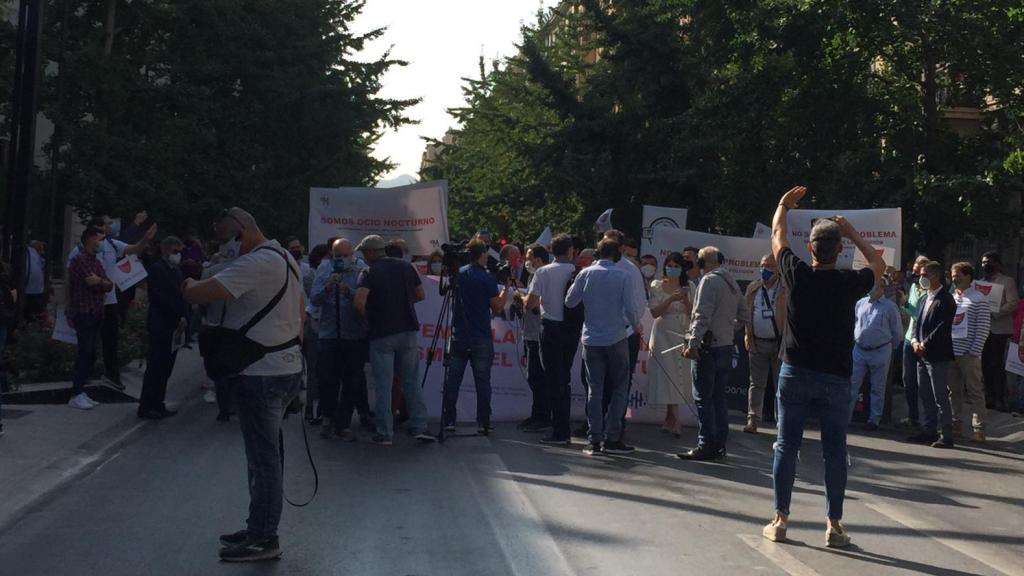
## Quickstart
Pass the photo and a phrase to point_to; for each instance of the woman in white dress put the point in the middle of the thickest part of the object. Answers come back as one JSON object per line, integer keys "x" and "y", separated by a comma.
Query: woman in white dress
{"x": 668, "y": 375}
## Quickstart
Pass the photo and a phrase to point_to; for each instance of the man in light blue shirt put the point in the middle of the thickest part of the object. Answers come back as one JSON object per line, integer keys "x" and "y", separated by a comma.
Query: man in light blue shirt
{"x": 606, "y": 292}
{"x": 878, "y": 330}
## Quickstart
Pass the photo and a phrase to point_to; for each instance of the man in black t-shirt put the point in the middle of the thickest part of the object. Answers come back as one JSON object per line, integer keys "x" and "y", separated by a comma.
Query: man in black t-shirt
{"x": 817, "y": 347}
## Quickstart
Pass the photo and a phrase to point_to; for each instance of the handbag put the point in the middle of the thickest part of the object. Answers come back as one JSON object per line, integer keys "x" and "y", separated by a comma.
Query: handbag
{"x": 227, "y": 352}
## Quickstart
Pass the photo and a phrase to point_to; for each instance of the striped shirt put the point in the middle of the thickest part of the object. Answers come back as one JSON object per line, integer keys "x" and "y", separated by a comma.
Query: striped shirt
{"x": 978, "y": 318}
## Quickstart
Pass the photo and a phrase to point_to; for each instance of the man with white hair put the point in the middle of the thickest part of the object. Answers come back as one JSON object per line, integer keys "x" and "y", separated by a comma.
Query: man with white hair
{"x": 719, "y": 310}
{"x": 266, "y": 305}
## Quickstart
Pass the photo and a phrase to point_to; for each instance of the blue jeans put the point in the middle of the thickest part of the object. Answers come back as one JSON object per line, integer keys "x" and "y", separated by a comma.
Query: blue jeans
{"x": 479, "y": 353}
{"x": 710, "y": 377}
{"x": 260, "y": 402}
{"x": 935, "y": 397}
{"x": 608, "y": 370}
{"x": 803, "y": 393}
{"x": 86, "y": 329}
{"x": 390, "y": 354}
{"x": 910, "y": 362}
{"x": 874, "y": 363}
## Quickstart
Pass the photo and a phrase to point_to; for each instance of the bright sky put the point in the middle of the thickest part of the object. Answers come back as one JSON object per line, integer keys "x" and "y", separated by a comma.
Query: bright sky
{"x": 442, "y": 40}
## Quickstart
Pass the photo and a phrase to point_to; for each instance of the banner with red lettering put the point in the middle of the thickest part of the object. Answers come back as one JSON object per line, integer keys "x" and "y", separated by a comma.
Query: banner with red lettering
{"x": 417, "y": 213}
{"x": 510, "y": 393}
{"x": 881, "y": 227}
{"x": 742, "y": 255}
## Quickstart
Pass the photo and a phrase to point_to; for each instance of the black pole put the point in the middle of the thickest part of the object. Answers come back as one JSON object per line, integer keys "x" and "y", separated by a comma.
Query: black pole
{"x": 23, "y": 133}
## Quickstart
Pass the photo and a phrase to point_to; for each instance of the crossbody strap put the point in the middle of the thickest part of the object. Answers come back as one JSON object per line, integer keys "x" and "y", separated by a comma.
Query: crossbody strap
{"x": 768, "y": 305}
{"x": 273, "y": 301}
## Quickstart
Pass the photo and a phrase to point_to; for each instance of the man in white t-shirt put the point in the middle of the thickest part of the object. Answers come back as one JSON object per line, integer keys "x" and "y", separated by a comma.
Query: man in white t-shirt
{"x": 109, "y": 252}
{"x": 558, "y": 340}
{"x": 263, "y": 390}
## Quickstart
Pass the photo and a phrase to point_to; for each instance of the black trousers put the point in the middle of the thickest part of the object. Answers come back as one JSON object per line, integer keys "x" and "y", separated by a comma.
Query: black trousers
{"x": 993, "y": 367}
{"x": 109, "y": 332}
{"x": 541, "y": 409}
{"x": 159, "y": 366}
{"x": 342, "y": 379}
{"x": 558, "y": 344}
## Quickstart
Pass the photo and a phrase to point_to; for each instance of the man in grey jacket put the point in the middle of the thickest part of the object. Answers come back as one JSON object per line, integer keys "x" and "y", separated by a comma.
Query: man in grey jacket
{"x": 719, "y": 310}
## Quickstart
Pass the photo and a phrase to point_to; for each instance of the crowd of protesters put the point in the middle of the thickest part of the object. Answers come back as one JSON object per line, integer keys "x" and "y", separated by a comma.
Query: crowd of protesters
{"x": 815, "y": 336}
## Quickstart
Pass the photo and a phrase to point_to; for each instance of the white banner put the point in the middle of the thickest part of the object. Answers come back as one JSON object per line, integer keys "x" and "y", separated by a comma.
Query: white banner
{"x": 762, "y": 231}
{"x": 128, "y": 272}
{"x": 992, "y": 292}
{"x": 742, "y": 255}
{"x": 62, "y": 331}
{"x": 888, "y": 256}
{"x": 655, "y": 216}
{"x": 417, "y": 214}
{"x": 511, "y": 397}
{"x": 881, "y": 227}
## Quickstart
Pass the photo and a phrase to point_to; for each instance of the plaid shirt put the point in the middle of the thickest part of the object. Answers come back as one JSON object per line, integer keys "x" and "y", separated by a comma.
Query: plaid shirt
{"x": 82, "y": 298}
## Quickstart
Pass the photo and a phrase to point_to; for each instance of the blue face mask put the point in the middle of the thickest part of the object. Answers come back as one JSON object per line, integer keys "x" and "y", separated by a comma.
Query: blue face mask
{"x": 766, "y": 274}
{"x": 115, "y": 229}
{"x": 672, "y": 272}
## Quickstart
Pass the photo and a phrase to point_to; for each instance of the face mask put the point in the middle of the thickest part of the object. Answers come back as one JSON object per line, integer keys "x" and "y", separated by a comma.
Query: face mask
{"x": 340, "y": 264}
{"x": 766, "y": 274}
{"x": 174, "y": 259}
{"x": 961, "y": 283}
{"x": 673, "y": 272}
{"x": 648, "y": 271}
{"x": 115, "y": 228}
{"x": 924, "y": 283}
{"x": 530, "y": 268}
{"x": 435, "y": 268}
{"x": 230, "y": 249}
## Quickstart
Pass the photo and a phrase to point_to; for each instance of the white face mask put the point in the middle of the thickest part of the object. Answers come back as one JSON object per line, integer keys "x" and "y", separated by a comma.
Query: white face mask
{"x": 530, "y": 269}
{"x": 407, "y": 257}
{"x": 924, "y": 283}
{"x": 230, "y": 249}
{"x": 174, "y": 259}
{"x": 435, "y": 268}
{"x": 648, "y": 271}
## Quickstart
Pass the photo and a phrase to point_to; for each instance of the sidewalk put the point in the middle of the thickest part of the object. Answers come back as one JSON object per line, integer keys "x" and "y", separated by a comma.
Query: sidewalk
{"x": 46, "y": 445}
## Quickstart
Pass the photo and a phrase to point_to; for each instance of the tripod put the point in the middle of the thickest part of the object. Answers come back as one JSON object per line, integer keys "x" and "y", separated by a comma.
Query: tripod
{"x": 448, "y": 286}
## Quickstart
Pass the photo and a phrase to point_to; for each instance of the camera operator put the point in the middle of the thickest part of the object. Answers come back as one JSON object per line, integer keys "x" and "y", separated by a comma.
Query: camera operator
{"x": 263, "y": 283}
{"x": 540, "y": 415}
{"x": 484, "y": 235}
{"x": 477, "y": 300}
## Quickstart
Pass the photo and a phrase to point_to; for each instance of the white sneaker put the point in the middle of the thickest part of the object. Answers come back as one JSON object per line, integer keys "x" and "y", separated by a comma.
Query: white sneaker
{"x": 210, "y": 397}
{"x": 90, "y": 400}
{"x": 81, "y": 402}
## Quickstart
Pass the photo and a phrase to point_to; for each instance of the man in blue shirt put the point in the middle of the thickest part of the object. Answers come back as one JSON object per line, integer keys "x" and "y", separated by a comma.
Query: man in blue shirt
{"x": 606, "y": 291}
{"x": 877, "y": 332}
{"x": 477, "y": 300}
{"x": 342, "y": 347}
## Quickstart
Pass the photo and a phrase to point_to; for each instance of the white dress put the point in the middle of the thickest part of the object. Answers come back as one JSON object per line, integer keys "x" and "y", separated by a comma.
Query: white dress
{"x": 668, "y": 375}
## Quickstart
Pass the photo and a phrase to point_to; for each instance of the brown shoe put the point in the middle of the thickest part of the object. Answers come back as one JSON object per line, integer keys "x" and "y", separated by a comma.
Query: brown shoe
{"x": 751, "y": 427}
{"x": 776, "y": 532}
{"x": 978, "y": 437}
{"x": 836, "y": 538}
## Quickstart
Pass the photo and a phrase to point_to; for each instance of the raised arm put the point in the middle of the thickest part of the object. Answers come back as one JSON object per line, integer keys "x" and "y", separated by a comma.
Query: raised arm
{"x": 780, "y": 227}
{"x": 875, "y": 261}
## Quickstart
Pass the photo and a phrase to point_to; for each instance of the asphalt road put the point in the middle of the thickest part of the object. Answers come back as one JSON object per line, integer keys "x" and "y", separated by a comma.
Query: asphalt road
{"x": 506, "y": 505}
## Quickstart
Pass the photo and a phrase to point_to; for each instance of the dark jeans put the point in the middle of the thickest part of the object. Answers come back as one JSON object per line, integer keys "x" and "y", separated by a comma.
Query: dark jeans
{"x": 932, "y": 377}
{"x": 109, "y": 329}
{"x": 342, "y": 368}
{"x": 805, "y": 393}
{"x": 633, "y": 344}
{"x": 222, "y": 388}
{"x": 86, "y": 328}
{"x": 710, "y": 377}
{"x": 558, "y": 344}
{"x": 993, "y": 367}
{"x": 35, "y": 306}
{"x": 159, "y": 366}
{"x": 479, "y": 353}
{"x": 261, "y": 402}
{"x": 541, "y": 410}
{"x": 910, "y": 363}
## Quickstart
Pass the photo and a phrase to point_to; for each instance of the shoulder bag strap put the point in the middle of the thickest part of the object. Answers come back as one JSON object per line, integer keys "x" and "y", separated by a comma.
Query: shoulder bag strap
{"x": 273, "y": 301}
{"x": 768, "y": 305}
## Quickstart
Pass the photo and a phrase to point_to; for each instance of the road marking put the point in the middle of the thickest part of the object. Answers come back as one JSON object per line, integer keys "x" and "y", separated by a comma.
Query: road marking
{"x": 978, "y": 553}
{"x": 778, "y": 555}
{"x": 525, "y": 542}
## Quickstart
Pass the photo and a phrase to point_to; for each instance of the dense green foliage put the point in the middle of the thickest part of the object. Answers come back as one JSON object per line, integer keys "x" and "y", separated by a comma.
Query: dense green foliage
{"x": 721, "y": 105}
{"x": 186, "y": 107}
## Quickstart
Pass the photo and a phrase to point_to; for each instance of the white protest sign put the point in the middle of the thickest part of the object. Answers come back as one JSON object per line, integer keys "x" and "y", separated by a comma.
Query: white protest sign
{"x": 417, "y": 214}
{"x": 880, "y": 227}
{"x": 888, "y": 256}
{"x": 960, "y": 324}
{"x": 992, "y": 292}
{"x": 62, "y": 331}
{"x": 604, "y": 222}
{"x": 762, "y": 231}
{"x": 742, "y": 255}
{"x": 127, "y": 272}
{"x": 545, "y": 238}
{"x": 654, "y": 216}
{"x": 1013, "y": 362}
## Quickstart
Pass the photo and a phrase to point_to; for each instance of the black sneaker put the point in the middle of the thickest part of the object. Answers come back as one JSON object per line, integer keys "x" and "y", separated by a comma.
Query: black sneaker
{"x": 426, "y": 437}
{"x": 382, "y": 440}
{"x": 923, "y": 438}
{"x": 871, "y": 427}
{"x": 618, "y": 447}
{"x": 484, "y": 430}
{"x": 537, "y": 426}
{"x": 235, "y": 539}
{"x": 592, "y": 448}
{"x": 555, "y": 440}
{"x": 698, "y": 454}
{"x": 721, "y": 454}
{"x": 582, "y": 432}
{"x": 252, "y": 550}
